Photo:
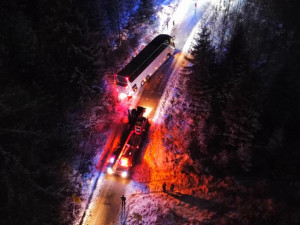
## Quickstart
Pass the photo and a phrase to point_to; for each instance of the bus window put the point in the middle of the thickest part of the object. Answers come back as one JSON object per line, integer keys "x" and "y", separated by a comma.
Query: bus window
{"x": 121, "y": 81}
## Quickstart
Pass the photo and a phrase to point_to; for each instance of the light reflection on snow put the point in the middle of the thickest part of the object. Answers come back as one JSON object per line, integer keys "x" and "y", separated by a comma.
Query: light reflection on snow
{"x": 190, "y": 39}
{"x": 167, "y": 23}
{"x": 137, "y": 188}
{"x": 182, "y": 9}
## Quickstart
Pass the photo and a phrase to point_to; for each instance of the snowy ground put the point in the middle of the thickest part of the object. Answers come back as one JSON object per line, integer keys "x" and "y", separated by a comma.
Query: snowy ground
{"x": 166, "y": 158}
{"x": 91, "y": 183}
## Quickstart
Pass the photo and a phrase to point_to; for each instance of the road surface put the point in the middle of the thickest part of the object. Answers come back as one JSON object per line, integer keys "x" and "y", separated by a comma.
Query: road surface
{"x": 154, "y": 90}
{"x": 107, "y": 209}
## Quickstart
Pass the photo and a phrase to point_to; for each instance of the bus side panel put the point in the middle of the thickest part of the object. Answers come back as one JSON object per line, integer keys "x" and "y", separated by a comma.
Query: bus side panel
{"x": 152, "y": 67}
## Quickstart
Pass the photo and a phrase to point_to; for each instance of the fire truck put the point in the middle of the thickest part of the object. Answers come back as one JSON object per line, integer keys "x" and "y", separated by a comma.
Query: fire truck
{"x": 120, "y": 164}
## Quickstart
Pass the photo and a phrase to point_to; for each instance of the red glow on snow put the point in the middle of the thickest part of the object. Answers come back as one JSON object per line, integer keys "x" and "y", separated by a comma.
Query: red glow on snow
{"x": 111, "y": 144}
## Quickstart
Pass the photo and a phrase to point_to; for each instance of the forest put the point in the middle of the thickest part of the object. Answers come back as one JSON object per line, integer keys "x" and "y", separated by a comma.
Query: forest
{"x": 246, "y": 90}
{"x": 54, "y": 55}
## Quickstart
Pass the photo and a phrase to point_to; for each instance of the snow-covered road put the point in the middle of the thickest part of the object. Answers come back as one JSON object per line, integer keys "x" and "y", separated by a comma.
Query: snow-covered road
{"x": 106, "y": 208}
{"x": 185, "y": 21}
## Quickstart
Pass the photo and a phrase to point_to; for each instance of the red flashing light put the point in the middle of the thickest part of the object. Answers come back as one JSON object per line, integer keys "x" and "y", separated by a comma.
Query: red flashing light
{"x": 112, "y": 159}
{"x": 127, "y": 78}
{"x": 124, "y": 162}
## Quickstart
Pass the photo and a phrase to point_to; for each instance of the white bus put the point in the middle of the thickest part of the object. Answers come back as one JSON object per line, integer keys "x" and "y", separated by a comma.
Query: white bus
{"x": 139, "y": 70}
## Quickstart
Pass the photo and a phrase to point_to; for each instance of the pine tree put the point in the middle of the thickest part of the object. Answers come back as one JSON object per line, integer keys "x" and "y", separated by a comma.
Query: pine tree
{"x": 201, "y": 84}
{"x": 146, "y": 9}
{"x": 47, "y": 55}
{"x": 241, "y": 90}
{"x": 202, "y": 61}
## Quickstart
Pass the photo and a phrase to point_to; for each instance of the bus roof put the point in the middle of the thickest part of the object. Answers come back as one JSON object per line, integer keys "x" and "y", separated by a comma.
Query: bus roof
{"x": 145, "y": 57}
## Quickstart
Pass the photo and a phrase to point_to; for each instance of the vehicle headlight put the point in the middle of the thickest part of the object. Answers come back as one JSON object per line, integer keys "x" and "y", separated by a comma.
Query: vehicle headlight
{"x": 109, "y": 170}
{"x": 124, "y": 174}
{"x": 112, "y": 159}
{"x": 122, "y": 96}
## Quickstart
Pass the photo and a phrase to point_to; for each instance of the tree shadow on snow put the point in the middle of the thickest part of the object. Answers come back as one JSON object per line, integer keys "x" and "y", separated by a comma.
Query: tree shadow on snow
{"x": 199, "y": 202}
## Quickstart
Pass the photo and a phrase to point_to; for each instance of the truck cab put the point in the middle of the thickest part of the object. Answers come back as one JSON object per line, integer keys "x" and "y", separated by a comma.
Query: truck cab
{"x": 123, "y": 163}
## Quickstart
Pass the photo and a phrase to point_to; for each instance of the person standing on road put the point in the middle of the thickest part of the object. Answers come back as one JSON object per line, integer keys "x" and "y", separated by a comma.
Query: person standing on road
{"x": 123, "y": 199}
